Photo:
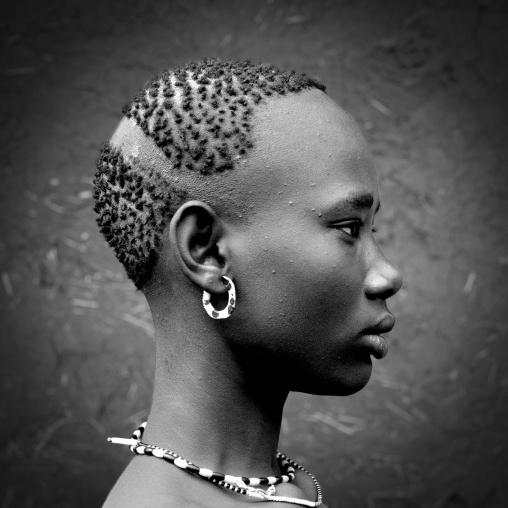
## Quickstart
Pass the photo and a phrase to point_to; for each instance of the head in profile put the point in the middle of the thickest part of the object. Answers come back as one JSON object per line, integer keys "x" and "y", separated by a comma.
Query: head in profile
{"x": 241, "y": 200}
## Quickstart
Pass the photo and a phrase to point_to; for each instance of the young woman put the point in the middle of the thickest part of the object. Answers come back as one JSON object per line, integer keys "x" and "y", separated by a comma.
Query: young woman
{"x": 241, "y": 201}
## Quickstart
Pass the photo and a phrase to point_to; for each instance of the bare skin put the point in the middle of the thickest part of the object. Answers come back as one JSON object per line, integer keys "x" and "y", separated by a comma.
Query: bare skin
{"x": 312, "y": 286}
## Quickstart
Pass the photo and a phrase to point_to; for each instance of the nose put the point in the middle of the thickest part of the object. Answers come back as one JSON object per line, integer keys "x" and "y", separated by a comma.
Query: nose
{"x": 383, "y": 279}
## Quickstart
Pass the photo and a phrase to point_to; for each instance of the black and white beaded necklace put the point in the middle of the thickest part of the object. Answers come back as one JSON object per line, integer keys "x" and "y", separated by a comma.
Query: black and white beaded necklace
{"x": 239, "y": 484}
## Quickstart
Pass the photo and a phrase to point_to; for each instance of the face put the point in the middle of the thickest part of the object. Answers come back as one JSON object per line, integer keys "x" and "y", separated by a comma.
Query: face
{"x": 312, "y": 283}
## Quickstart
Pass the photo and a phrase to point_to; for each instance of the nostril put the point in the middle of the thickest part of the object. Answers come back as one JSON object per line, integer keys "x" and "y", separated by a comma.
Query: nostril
{"x": 388, "y": 293}
{"x": 383, "y": 295}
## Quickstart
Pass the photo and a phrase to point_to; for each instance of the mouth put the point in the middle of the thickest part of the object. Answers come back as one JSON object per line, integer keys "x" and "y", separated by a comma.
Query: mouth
{"x": 377, "y": 344}
{"x": 373, "y": 340}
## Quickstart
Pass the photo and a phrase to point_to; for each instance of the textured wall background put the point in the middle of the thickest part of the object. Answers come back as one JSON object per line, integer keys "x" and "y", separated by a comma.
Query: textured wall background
{"x": 427, "y": 82}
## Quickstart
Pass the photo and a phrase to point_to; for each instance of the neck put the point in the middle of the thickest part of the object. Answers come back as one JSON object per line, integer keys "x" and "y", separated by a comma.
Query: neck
{"x": 210, "y": 411}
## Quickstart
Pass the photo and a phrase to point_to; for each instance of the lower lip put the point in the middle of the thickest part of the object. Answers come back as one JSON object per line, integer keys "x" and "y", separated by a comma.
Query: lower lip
{"x": 378, "y": 345}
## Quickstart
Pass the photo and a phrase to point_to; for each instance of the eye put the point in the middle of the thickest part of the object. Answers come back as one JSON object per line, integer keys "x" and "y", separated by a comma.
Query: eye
{"x": 350, "y": 228}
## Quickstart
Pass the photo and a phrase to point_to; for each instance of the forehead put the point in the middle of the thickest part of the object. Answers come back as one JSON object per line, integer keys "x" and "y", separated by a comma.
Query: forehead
{"x": 309, "y": 120}
{"x": 305, "y": 144}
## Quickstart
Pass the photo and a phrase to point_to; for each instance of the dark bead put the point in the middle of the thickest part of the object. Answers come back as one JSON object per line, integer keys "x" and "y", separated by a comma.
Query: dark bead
{"x": 168, "y": 458}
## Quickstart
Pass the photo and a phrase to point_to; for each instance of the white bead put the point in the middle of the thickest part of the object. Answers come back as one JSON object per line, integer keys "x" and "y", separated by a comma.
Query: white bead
{"x": 158, "y": 452}
{"x": 141, "y": 450}
{"x": 181, "y": 463}
{"x": 207, "y": 473}
{"x": 121, "y": 440}
{"x": 253, "y": 482}
{"x": 231, "y": 479}
{"x": 271, "y": 480}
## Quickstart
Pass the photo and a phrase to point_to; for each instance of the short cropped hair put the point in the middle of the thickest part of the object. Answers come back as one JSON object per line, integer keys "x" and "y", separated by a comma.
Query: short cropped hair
{"x": 200, "y": 116}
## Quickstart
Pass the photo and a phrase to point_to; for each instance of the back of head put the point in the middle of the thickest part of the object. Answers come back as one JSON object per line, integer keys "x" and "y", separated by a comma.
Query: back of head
{"x": 199, "y": 116}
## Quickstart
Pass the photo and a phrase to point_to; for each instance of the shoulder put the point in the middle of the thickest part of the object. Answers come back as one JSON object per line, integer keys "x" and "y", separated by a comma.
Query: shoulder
{"x": 148, "y": 483}
{"x": 143, "y": 499}
{"x": 145, "y": 484}
{"x": 117, "y": 502}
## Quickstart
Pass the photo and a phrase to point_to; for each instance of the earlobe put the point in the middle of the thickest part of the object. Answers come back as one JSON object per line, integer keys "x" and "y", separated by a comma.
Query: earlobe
{"x": 196, "y": 238}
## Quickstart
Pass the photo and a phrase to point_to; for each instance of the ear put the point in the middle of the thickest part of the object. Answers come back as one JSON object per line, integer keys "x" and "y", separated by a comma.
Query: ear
{"x": 196, "y": 236}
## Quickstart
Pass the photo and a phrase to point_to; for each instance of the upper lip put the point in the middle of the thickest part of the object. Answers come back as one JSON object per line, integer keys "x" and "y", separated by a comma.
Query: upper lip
{"x": 384, "y": 325}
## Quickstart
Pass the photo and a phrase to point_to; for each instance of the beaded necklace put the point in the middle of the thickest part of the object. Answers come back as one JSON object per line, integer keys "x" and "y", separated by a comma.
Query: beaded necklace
{"x": 239, "y": 484}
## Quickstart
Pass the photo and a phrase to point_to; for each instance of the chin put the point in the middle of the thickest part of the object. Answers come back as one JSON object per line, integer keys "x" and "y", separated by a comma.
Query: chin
{"x": 345, "y": 380}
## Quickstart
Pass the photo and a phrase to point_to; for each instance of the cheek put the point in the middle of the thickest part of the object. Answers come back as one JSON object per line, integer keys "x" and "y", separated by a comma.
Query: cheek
{"x": 302, "y": 285}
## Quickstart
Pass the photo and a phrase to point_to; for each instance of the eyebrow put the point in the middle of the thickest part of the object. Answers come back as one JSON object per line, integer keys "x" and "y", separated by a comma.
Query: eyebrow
{"x": 358, "y": 201}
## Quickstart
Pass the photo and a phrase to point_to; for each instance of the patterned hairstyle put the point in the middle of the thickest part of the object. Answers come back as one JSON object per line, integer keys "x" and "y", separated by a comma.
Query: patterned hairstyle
{"x": 200, "y": 116}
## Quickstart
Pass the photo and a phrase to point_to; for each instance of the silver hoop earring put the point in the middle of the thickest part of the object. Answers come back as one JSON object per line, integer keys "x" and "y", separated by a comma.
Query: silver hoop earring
{"x": 230, "y": 307}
